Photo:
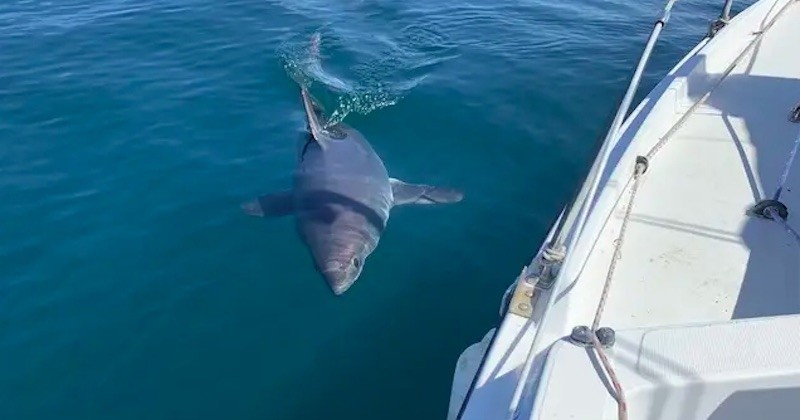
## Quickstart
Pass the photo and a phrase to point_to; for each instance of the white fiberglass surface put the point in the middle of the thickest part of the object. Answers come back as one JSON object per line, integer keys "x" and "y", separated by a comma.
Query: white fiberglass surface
{"x": 692, "y": 253}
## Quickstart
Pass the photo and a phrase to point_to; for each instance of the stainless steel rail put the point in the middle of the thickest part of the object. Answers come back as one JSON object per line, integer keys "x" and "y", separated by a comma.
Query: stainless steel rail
{"x": 724, "y": 18}
{"x": 578, "y": 208}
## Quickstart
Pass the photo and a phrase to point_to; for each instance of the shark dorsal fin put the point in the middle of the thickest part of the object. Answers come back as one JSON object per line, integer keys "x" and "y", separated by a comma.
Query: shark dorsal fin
{"x": 317, "y": 129}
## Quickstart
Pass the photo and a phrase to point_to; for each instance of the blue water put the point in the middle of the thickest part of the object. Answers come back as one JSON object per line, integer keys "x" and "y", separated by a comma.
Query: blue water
{"x": 132, "y": 287}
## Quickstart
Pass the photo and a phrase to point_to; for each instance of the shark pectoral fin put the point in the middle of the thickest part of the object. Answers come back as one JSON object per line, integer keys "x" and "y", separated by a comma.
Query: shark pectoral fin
{"x": 270, "y": 205}
{"x": 422, "y": 194}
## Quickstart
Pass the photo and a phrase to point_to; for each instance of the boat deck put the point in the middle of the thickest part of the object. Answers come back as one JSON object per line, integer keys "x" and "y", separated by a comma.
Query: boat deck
{"x": 692, "y": 253}
{"x": 717, "y": 135}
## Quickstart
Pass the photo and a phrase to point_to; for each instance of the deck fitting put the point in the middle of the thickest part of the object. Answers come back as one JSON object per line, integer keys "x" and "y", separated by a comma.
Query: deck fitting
{"x": 716, "y": 26}
{"x": 545, "y": 283}
{"x": 547, "y": 266}
{"x": 760, "y": 209}
{"x": 582, "y": 336}
{"x": 606, "y": 336}
{"x": 522, "y": 297}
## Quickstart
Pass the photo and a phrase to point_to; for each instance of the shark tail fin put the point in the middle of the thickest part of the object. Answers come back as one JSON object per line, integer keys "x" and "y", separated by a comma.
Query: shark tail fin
{"x": 313, "y": 110}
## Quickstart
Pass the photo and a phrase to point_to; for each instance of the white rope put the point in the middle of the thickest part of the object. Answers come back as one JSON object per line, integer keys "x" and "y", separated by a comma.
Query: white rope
{"x": 622, "y": 404}
{"x": 771, "y": 211}
{"x": 787, "y": 168}
{"x": 773, "y": 214}
{"x": 663, "y": 140}
{"x": 640, "y": 167}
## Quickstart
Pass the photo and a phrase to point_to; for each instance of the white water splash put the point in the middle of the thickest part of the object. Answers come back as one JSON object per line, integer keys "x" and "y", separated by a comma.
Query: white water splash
{"x": 377, "y": 83}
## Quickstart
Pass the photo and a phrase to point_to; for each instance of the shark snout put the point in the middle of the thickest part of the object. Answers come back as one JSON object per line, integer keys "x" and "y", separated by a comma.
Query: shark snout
{"x": 338, "y": 276}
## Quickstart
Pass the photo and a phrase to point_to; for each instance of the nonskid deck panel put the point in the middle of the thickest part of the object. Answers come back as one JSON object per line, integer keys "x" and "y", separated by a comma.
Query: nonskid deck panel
{"x": 692, "y": 252}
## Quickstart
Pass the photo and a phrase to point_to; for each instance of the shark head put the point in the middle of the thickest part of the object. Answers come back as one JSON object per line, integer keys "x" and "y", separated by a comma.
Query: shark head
{"x": 339, "y": 237}
{"x": 341, "y": 270}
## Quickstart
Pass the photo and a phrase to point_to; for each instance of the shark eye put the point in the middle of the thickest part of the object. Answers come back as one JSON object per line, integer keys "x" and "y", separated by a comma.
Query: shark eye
{"x": 356, "y": 262}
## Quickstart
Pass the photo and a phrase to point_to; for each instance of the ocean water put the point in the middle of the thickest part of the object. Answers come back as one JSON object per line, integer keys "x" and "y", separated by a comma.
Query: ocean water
{"x": 131, "y": 285}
